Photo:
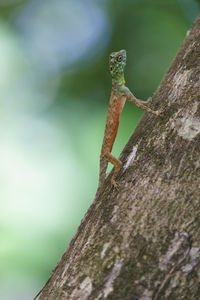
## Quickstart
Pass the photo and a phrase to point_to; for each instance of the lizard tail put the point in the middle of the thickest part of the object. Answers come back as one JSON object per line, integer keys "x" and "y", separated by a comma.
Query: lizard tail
{"x": 102, "y": 175}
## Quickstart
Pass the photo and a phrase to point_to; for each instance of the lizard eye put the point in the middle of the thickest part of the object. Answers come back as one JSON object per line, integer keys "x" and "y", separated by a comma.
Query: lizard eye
{"x": 119, "y": 58}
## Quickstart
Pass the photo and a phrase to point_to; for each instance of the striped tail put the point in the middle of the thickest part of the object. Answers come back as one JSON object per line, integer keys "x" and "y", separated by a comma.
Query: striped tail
{"x": 102, "y": 175}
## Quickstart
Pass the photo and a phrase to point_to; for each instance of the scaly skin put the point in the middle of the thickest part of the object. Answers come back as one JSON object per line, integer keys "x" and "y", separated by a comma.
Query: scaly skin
{"x": 119, "y": 94}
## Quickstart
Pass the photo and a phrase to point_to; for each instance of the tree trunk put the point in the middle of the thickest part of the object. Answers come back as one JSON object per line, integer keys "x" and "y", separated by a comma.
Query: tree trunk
{"x": 143, "y": 240}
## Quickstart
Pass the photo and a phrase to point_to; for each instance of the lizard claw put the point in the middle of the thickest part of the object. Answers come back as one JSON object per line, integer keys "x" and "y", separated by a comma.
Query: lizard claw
{"x": 115, "y": 184}
{"x": 149, "y": 100}
{"x": 160, "y": 112}
{"x": 157, "y": 112}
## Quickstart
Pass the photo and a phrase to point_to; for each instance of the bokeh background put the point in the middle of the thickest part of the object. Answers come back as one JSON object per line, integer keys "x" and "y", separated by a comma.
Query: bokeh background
{"x": 54, "y": 92}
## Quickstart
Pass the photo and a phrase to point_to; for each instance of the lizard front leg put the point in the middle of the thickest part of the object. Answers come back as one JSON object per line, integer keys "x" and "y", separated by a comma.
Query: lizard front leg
{"x": 144, "y": 102}
{"x": 117, "y": 165}
{"x": 139, "y": 103}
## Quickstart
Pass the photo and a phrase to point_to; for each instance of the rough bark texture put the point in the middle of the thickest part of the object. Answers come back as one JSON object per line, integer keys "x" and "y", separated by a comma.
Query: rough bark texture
{"x": 143, "y": 241}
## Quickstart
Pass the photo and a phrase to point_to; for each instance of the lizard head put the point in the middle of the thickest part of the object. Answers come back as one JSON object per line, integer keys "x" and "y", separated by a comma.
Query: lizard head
{"x": 117, "y": 63}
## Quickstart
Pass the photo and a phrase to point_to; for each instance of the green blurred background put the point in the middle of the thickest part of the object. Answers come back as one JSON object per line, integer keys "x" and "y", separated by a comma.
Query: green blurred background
{"x": 55, "y": 87}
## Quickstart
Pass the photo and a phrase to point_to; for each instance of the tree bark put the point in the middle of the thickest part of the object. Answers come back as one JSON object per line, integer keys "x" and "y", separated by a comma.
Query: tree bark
{"x": 143, "y": 240}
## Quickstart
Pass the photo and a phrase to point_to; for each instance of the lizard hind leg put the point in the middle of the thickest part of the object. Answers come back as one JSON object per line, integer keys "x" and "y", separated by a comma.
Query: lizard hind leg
{"x": 117, "y": 165}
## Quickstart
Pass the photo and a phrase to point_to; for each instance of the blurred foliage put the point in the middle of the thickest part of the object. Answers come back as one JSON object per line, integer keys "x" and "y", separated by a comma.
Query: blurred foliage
{"x": 55, "y": 88}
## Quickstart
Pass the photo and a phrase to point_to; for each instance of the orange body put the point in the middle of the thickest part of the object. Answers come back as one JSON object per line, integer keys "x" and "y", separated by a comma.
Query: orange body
{"x": 112, "y": 123}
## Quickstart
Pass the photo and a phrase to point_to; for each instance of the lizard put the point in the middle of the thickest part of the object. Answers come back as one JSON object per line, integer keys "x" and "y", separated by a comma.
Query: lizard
{"x": 118, "y": 97}
{"x": 119, "y": 94}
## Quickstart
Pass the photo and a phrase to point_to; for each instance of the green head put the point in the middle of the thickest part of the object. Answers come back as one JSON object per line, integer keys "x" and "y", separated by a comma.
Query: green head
{"x": 117, "y": 63}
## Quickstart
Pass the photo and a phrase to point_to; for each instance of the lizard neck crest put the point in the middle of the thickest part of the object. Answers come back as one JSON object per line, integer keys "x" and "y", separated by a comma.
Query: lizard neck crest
{"x": 117, "y": 63}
